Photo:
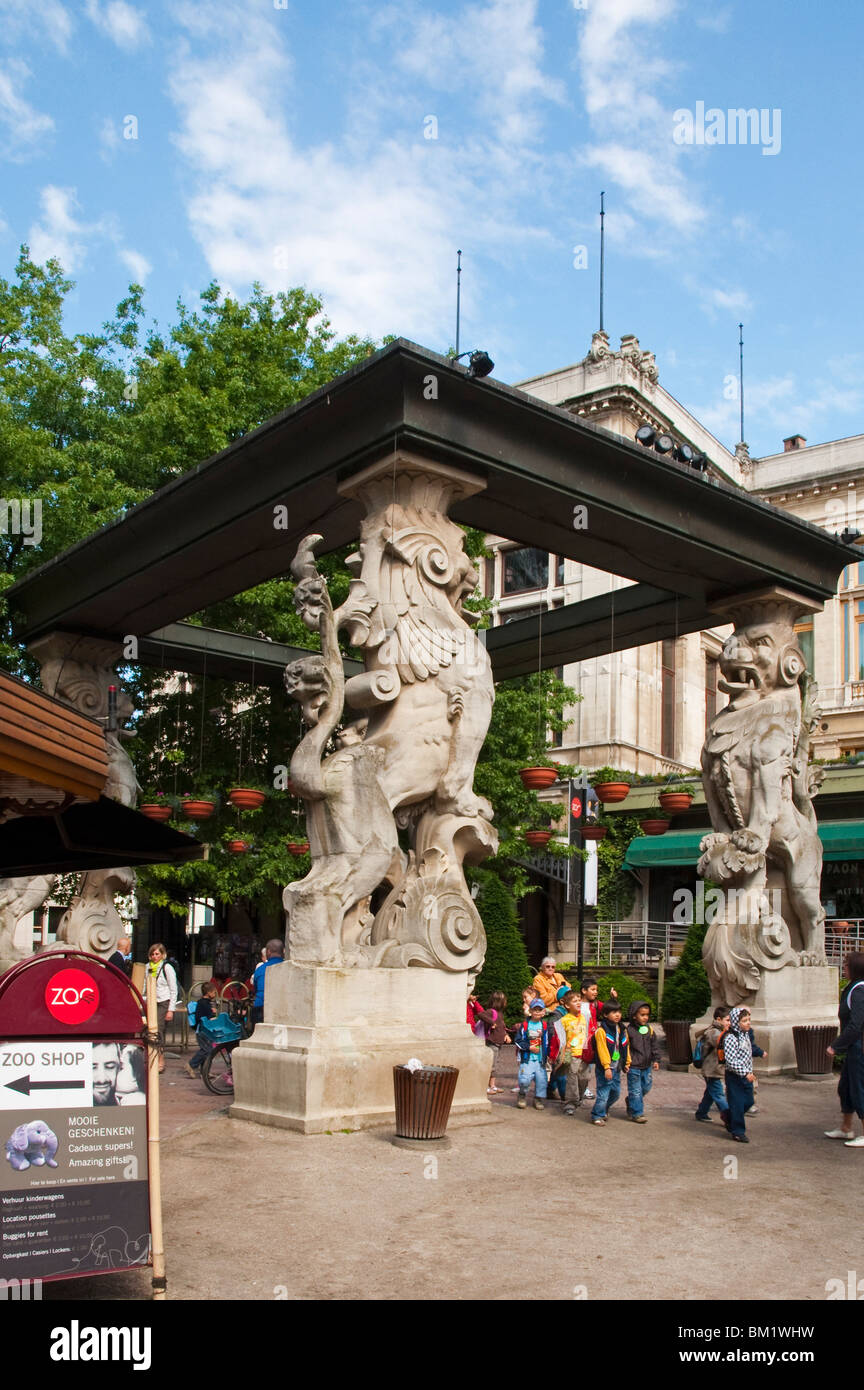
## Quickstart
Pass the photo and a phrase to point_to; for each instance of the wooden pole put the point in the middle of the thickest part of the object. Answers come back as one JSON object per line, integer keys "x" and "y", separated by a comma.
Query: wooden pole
{"x": 153, "y": 1153}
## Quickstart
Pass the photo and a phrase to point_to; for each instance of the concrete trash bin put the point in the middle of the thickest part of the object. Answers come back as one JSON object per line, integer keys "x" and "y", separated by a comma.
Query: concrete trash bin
{"x": 423, "y": 1099}
{"x": 811, "y": 1040}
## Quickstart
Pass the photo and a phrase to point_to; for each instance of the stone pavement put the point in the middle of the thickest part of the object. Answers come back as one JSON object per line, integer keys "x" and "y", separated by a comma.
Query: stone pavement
{"x": 664, "y": 1210}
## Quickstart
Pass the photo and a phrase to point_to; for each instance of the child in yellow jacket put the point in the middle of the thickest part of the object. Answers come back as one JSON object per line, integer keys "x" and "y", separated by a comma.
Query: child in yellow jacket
{"x": 611, "y": 1060}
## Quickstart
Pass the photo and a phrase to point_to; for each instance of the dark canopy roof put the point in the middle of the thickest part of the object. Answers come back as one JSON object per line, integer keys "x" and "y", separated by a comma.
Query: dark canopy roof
{"x": 211, "y": 534}
{"x": 93, "y": 835}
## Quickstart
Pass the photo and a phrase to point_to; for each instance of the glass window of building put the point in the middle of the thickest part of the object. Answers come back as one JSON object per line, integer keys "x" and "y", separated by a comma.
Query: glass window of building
{"x": 525, "y": 568}
{"x": 804, "y": 633}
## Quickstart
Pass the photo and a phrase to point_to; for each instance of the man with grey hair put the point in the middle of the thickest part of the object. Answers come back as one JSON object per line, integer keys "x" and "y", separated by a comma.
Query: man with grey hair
{"x": 275, "y": 953}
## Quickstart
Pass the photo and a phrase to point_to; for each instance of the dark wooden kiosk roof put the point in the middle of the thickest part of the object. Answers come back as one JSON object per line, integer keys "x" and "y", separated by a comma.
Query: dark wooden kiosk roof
{"x": 685, "y": 541}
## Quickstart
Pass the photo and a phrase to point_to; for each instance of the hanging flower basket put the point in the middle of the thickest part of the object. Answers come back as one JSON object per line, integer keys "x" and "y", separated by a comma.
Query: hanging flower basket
{"x": 537, "y": 838}
{"x": 298, "y": 847}
{"x": 611, "y": 791}
{"x": 197, "y": 810}
{"x": 654, "y": 826}
{"x": 156, "y": 810}
{"x": 594, "y": 832}
{"x": 535, "y": 779}
{"x": 237, "y": 847}
{"x": 246, "y": 798}
{"x": 674, "y": 802}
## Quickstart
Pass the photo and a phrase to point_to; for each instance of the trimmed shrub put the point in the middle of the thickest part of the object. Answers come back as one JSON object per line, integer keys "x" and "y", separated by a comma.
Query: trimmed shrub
{"x": 688, "y": 993}
{"x": 628, "y": 990}
{"x": 506, "y": 965}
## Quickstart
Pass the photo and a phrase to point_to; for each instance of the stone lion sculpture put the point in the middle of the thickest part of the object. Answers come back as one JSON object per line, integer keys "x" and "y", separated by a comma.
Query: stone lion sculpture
{"x": 765, "y": 851}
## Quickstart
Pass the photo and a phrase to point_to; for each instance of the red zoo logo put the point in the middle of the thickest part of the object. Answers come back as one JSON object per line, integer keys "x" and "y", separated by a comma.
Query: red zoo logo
{"x": 71, "y": 996}
{"x": 576, "y": 808}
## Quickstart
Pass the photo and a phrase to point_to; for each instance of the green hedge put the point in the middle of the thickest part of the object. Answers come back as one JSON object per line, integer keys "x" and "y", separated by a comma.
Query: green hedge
{"x": 506, "y": 965}
{"x": 688, "y": 993}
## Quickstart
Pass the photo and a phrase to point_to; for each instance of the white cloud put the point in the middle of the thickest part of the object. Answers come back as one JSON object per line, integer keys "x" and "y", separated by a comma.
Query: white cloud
{"x": 25, "y": 126}
{"x": 59, "y": 233}
{"x": 136, "y": 263}
{"x": 495, "y": 52}
{"x": 621, "y": 74}
{"x": 121, "y": 22}
{"x": 370, "y": 220}
{"x": 53, "y": 19}
{"x": 779, "y": 406}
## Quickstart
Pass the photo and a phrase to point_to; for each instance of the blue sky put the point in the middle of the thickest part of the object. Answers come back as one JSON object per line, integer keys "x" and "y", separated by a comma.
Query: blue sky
{"x": 288, "y": 144}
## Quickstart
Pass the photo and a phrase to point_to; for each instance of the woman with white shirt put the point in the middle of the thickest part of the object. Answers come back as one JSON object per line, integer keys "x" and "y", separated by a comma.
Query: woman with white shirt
{"x": 166, "y": 992}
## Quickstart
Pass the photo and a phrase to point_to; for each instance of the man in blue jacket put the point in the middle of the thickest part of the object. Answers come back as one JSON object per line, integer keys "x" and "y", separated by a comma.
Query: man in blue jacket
{"x": 275, "y": 951}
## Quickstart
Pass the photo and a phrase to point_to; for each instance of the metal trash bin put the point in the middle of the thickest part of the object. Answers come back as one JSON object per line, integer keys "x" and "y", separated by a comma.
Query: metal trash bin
{"x": 811, "y": 1040}
{"x": 423, "y": 1100}
{"x": 677, "y": 1033}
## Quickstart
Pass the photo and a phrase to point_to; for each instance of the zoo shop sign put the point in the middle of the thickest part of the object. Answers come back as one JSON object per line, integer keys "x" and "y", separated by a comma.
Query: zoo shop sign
{"x": 74, "y": 1194}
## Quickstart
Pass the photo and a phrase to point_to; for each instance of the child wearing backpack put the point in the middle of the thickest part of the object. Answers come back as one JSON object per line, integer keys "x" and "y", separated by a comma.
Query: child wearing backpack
{"x": 535, "y": 1044}
{"x": 708, "y": 1059}
{"x": 612, "y": 1059}
{"x": 205, "y": 1007}
{"x": 496, "y": 1035}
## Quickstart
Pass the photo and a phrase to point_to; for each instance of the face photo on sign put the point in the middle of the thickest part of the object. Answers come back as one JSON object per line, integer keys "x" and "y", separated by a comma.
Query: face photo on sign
{"x": 118, "y": 1074}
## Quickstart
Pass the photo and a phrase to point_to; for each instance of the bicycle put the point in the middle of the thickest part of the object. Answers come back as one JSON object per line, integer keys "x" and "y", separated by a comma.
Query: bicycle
{"x": 225, "y": 1034}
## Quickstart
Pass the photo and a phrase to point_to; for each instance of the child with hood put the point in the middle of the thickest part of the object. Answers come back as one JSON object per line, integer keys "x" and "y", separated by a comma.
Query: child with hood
{"x": 644, "y": 1059}
{"x": 558, "y": 1079}
{"x": 612, "y": 1058}
{"x": 738, "y": 1054}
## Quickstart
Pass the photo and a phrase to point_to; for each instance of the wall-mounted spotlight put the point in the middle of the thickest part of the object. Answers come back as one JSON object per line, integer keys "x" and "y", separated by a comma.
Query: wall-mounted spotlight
{"x": 684, "y": 454}
{"x": 664, "y": 443}
{"x": 479, "y": 362}
{"x": 850, "y": 535}
{"x": 645, "y": 436}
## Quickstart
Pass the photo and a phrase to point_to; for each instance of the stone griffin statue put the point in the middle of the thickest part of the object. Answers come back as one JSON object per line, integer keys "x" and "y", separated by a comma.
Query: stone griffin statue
{"x": 765, "y": 852}
{"x": 407, "y": 764}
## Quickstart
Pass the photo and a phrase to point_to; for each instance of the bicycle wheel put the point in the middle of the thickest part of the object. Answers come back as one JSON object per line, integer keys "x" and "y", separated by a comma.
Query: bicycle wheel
{"x": 216, "y": 1072}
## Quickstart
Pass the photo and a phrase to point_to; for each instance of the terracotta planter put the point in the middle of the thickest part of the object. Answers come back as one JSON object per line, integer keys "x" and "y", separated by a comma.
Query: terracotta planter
{"x": 537, "y": 838}
{"x": 246, "y": 798}
{"x": 654, "y": 827}
{"x": 535, "y": 779}
{"x": 237, "y": 847}
{"x": 674, "y": 801}
{"x": 612, "y": 791}
{"x": 839, "y": 928}
{"x": 298, "y": 847}
{"x": 154, "y": 810}
{"x": 594, "y": 832}
{"x": 197, "y": 810}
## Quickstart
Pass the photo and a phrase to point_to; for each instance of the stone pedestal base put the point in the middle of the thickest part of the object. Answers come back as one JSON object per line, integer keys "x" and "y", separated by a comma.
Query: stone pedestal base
{"x": 323, "y": 1058}
{"x": 797, "y": 994}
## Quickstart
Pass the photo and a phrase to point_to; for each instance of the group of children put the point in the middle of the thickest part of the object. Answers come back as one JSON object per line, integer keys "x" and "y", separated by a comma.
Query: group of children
{"x": 559, "y": 1047}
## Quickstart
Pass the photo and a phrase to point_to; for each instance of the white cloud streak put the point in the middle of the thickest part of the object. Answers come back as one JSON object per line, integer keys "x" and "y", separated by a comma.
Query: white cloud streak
{"x": 122, "y": 23}
{"x": 25, "y": 126}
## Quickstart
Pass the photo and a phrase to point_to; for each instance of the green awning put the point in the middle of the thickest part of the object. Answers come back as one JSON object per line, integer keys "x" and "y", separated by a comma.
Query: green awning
{"x": 841, "y": 839}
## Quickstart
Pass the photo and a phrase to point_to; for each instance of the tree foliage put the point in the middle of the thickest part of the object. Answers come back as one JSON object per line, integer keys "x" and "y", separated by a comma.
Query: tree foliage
{"x": 506, "y": 965}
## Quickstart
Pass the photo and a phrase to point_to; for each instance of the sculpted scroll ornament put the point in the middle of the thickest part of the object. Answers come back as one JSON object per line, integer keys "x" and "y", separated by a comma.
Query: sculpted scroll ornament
{"x": 408, "y": 763}
{"x": 765, "y": 851}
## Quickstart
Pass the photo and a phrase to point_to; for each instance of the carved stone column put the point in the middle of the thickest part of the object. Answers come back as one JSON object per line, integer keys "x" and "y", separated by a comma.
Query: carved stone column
{"x": 391, "y": 814}
{"x": 765, "y": 944}
{"x": 78, "y": 670}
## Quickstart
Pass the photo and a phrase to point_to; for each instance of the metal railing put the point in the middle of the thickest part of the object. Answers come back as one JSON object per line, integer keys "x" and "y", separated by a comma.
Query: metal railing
{"x": 842, "y": 935}
{"x": 640, "y": 943}
{"x": 634, "y": 943}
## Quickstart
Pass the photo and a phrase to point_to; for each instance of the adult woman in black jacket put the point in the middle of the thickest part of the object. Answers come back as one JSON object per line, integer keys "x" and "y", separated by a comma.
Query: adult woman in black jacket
{"x": 849, "y": 1040}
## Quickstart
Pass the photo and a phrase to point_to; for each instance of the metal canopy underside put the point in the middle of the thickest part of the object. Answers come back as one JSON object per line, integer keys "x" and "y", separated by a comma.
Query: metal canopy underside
{"x": 210, "y": 533}
{"x": 234, "y": 655}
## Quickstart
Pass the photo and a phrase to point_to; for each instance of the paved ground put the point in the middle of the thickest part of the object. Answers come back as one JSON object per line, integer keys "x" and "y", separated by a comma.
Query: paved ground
{"x": 652, "y": 1210}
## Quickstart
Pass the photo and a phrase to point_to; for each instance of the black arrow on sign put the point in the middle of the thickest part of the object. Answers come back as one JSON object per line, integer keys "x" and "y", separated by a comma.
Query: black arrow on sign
{"x": 25, "y": 1085}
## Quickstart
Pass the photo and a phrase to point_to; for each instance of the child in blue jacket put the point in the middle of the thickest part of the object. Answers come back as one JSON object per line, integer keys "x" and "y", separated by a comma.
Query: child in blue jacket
{"x": 535, "y": 1043}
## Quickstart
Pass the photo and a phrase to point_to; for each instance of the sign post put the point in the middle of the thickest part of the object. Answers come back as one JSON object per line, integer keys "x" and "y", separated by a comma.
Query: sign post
{"x": 78, "y": 1194}
{"x": 582, "y": 805}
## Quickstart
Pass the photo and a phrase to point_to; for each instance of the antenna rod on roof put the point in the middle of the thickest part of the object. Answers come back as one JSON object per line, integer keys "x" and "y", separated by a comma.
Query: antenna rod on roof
{"x": 458, "y": 294}
{"x": 741, "y": 377}
{"x": 602, "y": 254}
